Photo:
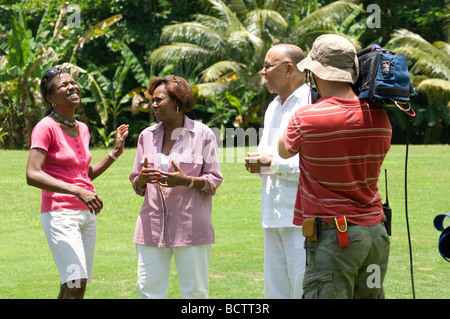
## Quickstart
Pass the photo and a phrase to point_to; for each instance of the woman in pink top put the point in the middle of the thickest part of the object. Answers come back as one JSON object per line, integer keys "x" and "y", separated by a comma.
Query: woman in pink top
{"x": 59, "y": 164}
{"x": 177, "y": 171}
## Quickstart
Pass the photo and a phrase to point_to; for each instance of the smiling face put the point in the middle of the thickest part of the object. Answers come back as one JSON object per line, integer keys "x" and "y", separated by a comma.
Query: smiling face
{"x": 66, "y": 92}
{"x": 274, "y": 70}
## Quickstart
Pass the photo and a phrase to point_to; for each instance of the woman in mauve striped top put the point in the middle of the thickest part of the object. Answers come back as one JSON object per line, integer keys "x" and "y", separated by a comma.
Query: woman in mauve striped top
{"x": 177, "y": 172}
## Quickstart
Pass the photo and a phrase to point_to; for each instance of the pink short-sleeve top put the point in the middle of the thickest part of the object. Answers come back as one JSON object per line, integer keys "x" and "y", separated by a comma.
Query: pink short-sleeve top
{"x": 67, "y": 159}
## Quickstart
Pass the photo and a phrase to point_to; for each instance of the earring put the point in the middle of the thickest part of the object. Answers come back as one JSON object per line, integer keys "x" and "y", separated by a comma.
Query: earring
{"x": 53, "y": 104}
{"x": 178, "y": 109}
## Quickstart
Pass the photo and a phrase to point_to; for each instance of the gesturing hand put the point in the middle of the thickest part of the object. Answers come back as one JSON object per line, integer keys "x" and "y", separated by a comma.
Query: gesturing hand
{"x": 176, "y": 178}
{"x": 147, "y": 175}
{"x": 121, "y": 135}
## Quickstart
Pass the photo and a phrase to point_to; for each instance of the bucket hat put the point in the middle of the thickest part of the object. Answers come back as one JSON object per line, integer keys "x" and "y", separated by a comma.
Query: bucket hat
{"x": 332, "y": 58}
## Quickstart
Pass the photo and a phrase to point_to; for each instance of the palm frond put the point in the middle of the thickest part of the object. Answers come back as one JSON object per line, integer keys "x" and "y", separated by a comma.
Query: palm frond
{"x": 405, "y": 38}
{"x": 218, "y": 69}
{"x": 438, "y": 88}
{"x": 260, "y": 19}
{"x": 180, "y": 52}
{"x": 194, "y": 33}
{"x": 334, "y": 13}
{"x": 225, "y": 13}
{"x": 442, "y": 46}
{"x": 95, "y": 31}
{"x": 349, "y": 20}
{"x": 212, "y": 22}
{"x": 99, "y": 27}
{"x": 424, "y": 62}
{"x": 210, "y": 90}
{"x": 243, "y": 39}
{"x": 239, "y": 7}
{"x": 136, "y": 66}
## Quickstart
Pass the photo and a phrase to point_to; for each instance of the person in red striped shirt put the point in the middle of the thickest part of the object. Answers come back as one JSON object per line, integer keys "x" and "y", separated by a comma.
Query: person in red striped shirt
{"x": 342, "y": 142}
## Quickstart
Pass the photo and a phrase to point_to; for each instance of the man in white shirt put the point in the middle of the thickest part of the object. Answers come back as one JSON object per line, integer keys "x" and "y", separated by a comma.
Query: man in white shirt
{"x": 284, "y": 255}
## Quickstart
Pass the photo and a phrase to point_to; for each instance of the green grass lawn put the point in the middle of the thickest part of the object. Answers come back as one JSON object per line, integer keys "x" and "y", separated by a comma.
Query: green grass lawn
{"x": 236, "y": 270}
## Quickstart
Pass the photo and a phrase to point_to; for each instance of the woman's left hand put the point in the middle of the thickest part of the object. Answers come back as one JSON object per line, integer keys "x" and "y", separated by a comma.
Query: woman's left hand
{"x": 174, "y": 179}
{"x": 121, "y": 135}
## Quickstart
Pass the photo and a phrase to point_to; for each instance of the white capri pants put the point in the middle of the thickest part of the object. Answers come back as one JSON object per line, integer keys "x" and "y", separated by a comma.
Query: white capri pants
{"x": 192, "y": 265}
{"x": 71, "y": 236}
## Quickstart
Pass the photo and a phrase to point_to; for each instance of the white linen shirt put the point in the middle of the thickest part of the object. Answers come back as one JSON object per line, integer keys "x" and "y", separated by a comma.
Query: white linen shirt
{"x": 280, "y": 181}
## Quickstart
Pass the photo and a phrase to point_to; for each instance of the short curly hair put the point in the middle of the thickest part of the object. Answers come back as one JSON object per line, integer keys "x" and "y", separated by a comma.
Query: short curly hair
{"x": 177, "y": 88}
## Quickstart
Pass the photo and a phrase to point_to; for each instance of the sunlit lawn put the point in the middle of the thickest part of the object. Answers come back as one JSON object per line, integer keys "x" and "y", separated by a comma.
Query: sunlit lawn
{"x": 236, "y": 271}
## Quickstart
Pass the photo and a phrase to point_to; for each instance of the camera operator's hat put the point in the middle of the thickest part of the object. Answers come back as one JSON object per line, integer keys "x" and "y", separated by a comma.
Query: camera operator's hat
{"x": 332, "y": 58}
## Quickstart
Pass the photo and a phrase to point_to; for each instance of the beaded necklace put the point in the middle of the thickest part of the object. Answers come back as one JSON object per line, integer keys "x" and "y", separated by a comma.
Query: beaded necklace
{"x": 58, "y": 117}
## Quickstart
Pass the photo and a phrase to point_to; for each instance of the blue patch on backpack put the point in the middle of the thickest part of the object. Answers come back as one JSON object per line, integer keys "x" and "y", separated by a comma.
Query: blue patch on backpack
{"x": 384, "y": 78}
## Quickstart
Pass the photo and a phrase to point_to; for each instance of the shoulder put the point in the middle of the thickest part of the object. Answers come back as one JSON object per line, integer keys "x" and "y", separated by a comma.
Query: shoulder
{"x": 300, "y": 97}
{"x": 43, "y": 134}
{"x": 197, "y": 126}
{"x": 200, "y": 131}
{"x": 82, "y": 126}
{"x": 147, "y": 135}
{"x": 151, "y": 129}
{"x": 83, "y": 130}
{"x": 45, "y": 122}
{"x": 303, "y": 92}
{"x": 44, "y": 126}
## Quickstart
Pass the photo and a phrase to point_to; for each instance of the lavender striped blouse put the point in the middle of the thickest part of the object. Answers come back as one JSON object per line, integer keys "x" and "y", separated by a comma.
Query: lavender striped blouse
{"x": 181, "y": 217}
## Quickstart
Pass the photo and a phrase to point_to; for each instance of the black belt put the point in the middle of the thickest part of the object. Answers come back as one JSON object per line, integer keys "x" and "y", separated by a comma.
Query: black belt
{"x": 330, "y": 225}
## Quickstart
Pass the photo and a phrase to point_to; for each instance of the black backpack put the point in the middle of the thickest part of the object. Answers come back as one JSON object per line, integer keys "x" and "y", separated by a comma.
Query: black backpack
{"x": 384, "y": 79}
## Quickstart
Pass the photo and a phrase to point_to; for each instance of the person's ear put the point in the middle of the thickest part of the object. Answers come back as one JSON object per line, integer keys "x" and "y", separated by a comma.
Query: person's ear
{"x": 289, "y": 69}
{"x": 49, "y": 99}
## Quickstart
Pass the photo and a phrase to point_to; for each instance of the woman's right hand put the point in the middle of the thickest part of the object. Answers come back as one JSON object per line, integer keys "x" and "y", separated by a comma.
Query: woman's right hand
{"x": 147, "y": 175}
{"x": 38, "y": 178}
{"x": 93, "y": 202}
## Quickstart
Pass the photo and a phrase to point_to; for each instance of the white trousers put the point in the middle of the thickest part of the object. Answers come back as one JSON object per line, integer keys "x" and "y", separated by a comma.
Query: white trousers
{"x": 284, "y": 263}
{"x": 71, "y": 236}
{"x": 192, "y": 265}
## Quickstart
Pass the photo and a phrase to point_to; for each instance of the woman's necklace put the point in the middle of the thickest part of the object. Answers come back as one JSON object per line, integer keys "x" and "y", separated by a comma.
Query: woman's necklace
{"x": 58, "y": 117}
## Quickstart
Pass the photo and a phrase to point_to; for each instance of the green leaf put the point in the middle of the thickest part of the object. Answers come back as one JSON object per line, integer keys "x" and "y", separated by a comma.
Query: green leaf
{"x": 136, "y": 67}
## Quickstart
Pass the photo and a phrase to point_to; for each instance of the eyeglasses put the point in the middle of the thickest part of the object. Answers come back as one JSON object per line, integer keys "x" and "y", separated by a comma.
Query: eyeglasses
{"x": 168, "y": 77}
{"x": 53, "y": 71}
{"x": 268, "y": 66}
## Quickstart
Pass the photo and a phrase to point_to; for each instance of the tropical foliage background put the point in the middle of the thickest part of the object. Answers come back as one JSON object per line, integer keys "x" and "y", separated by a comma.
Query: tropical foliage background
{"x": 115, "y": 47}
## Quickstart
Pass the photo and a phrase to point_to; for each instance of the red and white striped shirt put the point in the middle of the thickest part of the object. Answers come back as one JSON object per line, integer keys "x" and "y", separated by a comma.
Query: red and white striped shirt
{"x": 342, "y": 144}
{"x": 181, "y": 217}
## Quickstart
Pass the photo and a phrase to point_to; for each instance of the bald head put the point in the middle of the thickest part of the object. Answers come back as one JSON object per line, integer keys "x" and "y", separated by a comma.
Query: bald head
{"x": 290, "y": 51}
{"x": 280, "y": 69}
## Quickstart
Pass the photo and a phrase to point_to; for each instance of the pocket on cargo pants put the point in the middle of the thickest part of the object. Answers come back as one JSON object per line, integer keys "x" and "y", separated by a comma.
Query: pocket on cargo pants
{"x": 333, "y": 271}
{"x": 317, "y": 283}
